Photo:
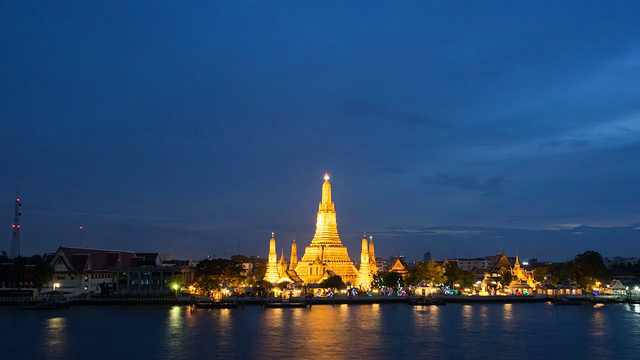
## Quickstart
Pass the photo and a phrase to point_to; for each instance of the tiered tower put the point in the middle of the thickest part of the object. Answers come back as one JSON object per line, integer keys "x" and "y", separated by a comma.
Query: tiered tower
{"x": 15, "y": 239}
{"x": 272, "y": 265}
{"x": 372, "y": 257}
{"x": 326, "y": 252}
{"x": 364, "y": 277}
{"x": 294, "y": 255}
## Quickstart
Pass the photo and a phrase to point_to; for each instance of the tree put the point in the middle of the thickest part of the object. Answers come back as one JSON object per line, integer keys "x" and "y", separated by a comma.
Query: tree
{"x": 105, "y": 289}
{"x": 589, "y": 268}
{"x": 505, "y": 276}
{"x": 334, "y": 282}
{"x": 454, "y": 274}
{"x": 259, "y": 267}
{"x": 468, "y": 279}
{"x": 42, "y": 273}
{"x": 263, "y": 287}
{"x": 175, "y": 280}
{"x": 429, "y": 272}
{"x": 211, "y": 273}
{"x": 19, "y": 264}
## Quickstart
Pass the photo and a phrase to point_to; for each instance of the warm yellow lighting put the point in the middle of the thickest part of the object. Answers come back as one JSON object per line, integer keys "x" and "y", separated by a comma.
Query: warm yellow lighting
{"x": 56, "y": 285}
{"x": 326, "y": 176}
{"x": 175, "y": 286}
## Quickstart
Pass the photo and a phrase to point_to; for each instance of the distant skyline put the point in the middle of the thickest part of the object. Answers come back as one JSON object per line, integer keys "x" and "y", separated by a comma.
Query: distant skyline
{"x": 198, "y": 128}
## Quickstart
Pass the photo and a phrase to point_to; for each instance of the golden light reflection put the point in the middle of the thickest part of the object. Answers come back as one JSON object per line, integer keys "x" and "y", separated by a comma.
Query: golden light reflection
{"x": 174, "y": 331}
{"x": 507, "y": 317}
{"x": 507, "y": 313}
{"x": 598, "y": 329}
{"x": 225, "y": 324}
{"x": 467, "y": 313}
{"x": 428, "y": 314}
{"x": 56, "y": 335}
{"x": 323, "y": 328}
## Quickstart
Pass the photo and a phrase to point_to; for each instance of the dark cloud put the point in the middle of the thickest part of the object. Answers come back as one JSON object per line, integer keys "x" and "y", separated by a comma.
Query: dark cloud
{"x": 490, "y": 186}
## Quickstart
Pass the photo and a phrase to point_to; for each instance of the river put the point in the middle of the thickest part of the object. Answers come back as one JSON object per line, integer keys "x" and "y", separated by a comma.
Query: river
{"x": 380, "y": 331}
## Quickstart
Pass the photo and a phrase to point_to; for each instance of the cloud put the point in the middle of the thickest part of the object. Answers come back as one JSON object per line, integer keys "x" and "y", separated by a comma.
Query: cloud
{"x": 429, "y": 231}
{"x": 489, "y": 186}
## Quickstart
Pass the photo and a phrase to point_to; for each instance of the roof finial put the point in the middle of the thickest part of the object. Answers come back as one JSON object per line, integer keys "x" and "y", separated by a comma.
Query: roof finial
{"x": 326, "y": 176}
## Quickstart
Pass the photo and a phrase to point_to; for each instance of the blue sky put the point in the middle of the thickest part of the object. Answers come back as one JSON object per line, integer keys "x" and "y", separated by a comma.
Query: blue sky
{"x": 201, "y": 127}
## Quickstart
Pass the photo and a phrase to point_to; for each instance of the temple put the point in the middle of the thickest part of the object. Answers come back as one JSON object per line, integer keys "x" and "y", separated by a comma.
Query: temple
{"x": 325, "y": 256}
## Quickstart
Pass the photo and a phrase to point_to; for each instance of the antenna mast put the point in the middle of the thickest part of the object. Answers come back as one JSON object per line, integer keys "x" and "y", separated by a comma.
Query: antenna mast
{"x": 15, "y": 240}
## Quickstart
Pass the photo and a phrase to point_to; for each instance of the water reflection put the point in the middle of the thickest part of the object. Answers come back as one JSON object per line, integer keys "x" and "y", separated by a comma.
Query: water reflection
{"x": 368, "y": 331}
{"x": 319, "y": 331}
{"x": 55, "y": 336}
{"x": 174, "y": 332}
{"x": 426, "y": 326}
{"x": 599, "y": 331}
{"x": 467, "y": 317}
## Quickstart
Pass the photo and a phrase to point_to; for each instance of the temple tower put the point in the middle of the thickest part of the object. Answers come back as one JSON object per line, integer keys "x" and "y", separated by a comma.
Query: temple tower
{"x": 283, "y": 266}
{"x": 326, "y": 250}
{"x": 364, "y": 275}
{"x": 272, "y": 265}
{"x": 372, "y": 257}
{"x": 294, "y": 255}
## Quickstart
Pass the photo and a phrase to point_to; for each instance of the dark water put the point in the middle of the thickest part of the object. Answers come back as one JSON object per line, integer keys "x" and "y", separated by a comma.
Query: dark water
{"x": 512, "y": 331}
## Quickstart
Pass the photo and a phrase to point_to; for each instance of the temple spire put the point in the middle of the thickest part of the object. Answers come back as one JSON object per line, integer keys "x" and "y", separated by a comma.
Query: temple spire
{"x": 364, "y": 274}
{"x": 372, "y": 257}
{"x": 271, "y": 274}
{"x": 294, "y": 255}
{"x": 326, "y": 191}
{"x": 326, "y": 251}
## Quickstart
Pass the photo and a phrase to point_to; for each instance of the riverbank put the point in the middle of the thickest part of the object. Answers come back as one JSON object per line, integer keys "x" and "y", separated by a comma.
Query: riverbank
{"x": 335, "y": 300}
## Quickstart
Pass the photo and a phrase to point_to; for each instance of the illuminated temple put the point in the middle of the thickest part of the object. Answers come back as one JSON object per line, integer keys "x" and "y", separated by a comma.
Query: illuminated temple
{"x": 325, "y": 256}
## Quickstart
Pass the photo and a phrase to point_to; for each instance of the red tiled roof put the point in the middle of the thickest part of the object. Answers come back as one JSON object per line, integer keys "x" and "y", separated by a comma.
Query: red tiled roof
{"x": 101, "y": 260}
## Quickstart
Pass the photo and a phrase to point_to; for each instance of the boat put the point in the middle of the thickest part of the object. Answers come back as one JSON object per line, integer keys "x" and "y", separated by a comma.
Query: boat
{"x": 216, "y": 305}
{"x": 47, "y": 304}
{"x": 565, "y": 301}
{"x": 426, "y": 301}
{"x": 286, "y": 305}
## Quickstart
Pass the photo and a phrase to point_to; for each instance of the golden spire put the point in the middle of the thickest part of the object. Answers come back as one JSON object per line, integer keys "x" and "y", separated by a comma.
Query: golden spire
{"x": 271, "y": 274}
{"x": 326, "y": 247}
{"x": 372, "y": 257}
{"x": 326, "y": 191}
{"x": 364, "y": 274}
{"x": 294, "y": 255}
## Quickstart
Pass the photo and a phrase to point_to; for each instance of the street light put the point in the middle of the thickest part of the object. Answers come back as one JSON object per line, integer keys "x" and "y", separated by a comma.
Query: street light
{"x": 176, "y": 287}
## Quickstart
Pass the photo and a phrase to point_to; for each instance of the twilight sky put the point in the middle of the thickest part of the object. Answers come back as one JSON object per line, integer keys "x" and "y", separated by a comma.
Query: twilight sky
{"x": 200, "y": 127}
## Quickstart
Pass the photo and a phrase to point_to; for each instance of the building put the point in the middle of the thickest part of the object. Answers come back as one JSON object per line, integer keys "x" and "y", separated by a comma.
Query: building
{"x": 84, "y": 271}
{"x": 325, "y": 256}
{"x": 398, "y": 267}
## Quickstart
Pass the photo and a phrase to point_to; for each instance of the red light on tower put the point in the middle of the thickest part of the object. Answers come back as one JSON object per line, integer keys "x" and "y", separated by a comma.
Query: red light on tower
{"x": 81, "y": 227}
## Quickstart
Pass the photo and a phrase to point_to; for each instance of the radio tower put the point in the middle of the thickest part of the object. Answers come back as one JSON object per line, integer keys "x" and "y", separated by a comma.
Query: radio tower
{"x": 15, "y": 241}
